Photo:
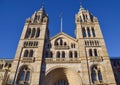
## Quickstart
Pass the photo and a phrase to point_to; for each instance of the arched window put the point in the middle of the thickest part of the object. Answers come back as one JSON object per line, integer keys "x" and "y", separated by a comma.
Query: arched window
{"x": 38, "y": 32}
{"x": 95, "y": 52}
{"x": 33, "y": 32}
{"x": 88, "y": 31}
{"x": 75, "y": 54}
{"x": 27, "y": 76}
{"x": 93, "y": 32}
{"x": 63, "y": 54}
{"x": 28, "y": 32}
{"x": 46, "y": 54}
{"x": 58, "y": 55}
{"x": 31, "y": 53}
{"x": 61, "y": 42}
{"x": 65, "y": 43}
{"x": 24, "y": 76}
{"x": 70, "y": 54}
{"x": 99, "y": 75}
{"x": 26, "y": 53}
{"x": 94, "y": 76}
{"x": 90, "y": 52}
{"x": 83, "y": 32}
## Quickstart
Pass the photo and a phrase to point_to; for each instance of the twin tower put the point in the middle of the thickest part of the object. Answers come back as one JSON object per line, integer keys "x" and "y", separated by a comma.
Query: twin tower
{"x": 62, "y": 59}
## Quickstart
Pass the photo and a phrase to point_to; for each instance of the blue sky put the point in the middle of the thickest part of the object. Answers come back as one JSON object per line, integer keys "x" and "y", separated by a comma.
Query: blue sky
{"x": 13, "y": 14}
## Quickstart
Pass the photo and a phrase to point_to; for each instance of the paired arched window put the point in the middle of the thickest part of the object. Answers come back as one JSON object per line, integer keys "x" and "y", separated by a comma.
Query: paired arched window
{"x": 90, "y": 52}
{"x": 96, "y": 74}
{"x": 24, "y": 75}
{"x": 93, "y": 32}
{"x": 28, "y": 53}
{"x": 93, "y": 52}
{"x": 83, "y": 32}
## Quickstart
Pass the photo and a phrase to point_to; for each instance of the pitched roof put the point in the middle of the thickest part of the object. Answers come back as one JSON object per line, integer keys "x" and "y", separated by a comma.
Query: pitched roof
{"x": 62, "y": 33}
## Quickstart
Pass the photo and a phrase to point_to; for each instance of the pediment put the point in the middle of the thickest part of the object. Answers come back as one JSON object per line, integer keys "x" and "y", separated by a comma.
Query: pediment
{"x": 63, "y": 35}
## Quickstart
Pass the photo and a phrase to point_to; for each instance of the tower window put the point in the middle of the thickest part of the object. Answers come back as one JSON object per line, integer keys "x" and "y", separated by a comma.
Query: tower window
{"x": 38, "y": 32}
{"x": 26, "y": 53}
{"x": 28, "y": 32}
{"x": 33, "y": 32}
{"x": 93, "y": 32}
{"x": 88, "y": 31}
{"x": 83, "y": 32}
{"x": 95, "y": 52}
{"x": 90, "y": 52}
{"x": 31, "y": 53}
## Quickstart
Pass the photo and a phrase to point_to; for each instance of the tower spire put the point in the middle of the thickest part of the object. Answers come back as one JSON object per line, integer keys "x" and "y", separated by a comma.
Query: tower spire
{"x": 81, "y": 7}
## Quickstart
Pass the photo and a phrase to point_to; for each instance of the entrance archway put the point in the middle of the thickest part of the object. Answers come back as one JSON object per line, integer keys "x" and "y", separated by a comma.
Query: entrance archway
{"x": 62, "y": 76}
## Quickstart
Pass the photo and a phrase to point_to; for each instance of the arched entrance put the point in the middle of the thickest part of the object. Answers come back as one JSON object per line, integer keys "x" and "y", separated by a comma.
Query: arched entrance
{"x": 62, "y": 76}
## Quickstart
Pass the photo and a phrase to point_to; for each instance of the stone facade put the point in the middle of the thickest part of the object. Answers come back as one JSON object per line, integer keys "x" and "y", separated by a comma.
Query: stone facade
{"x": 62, "y": 59}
